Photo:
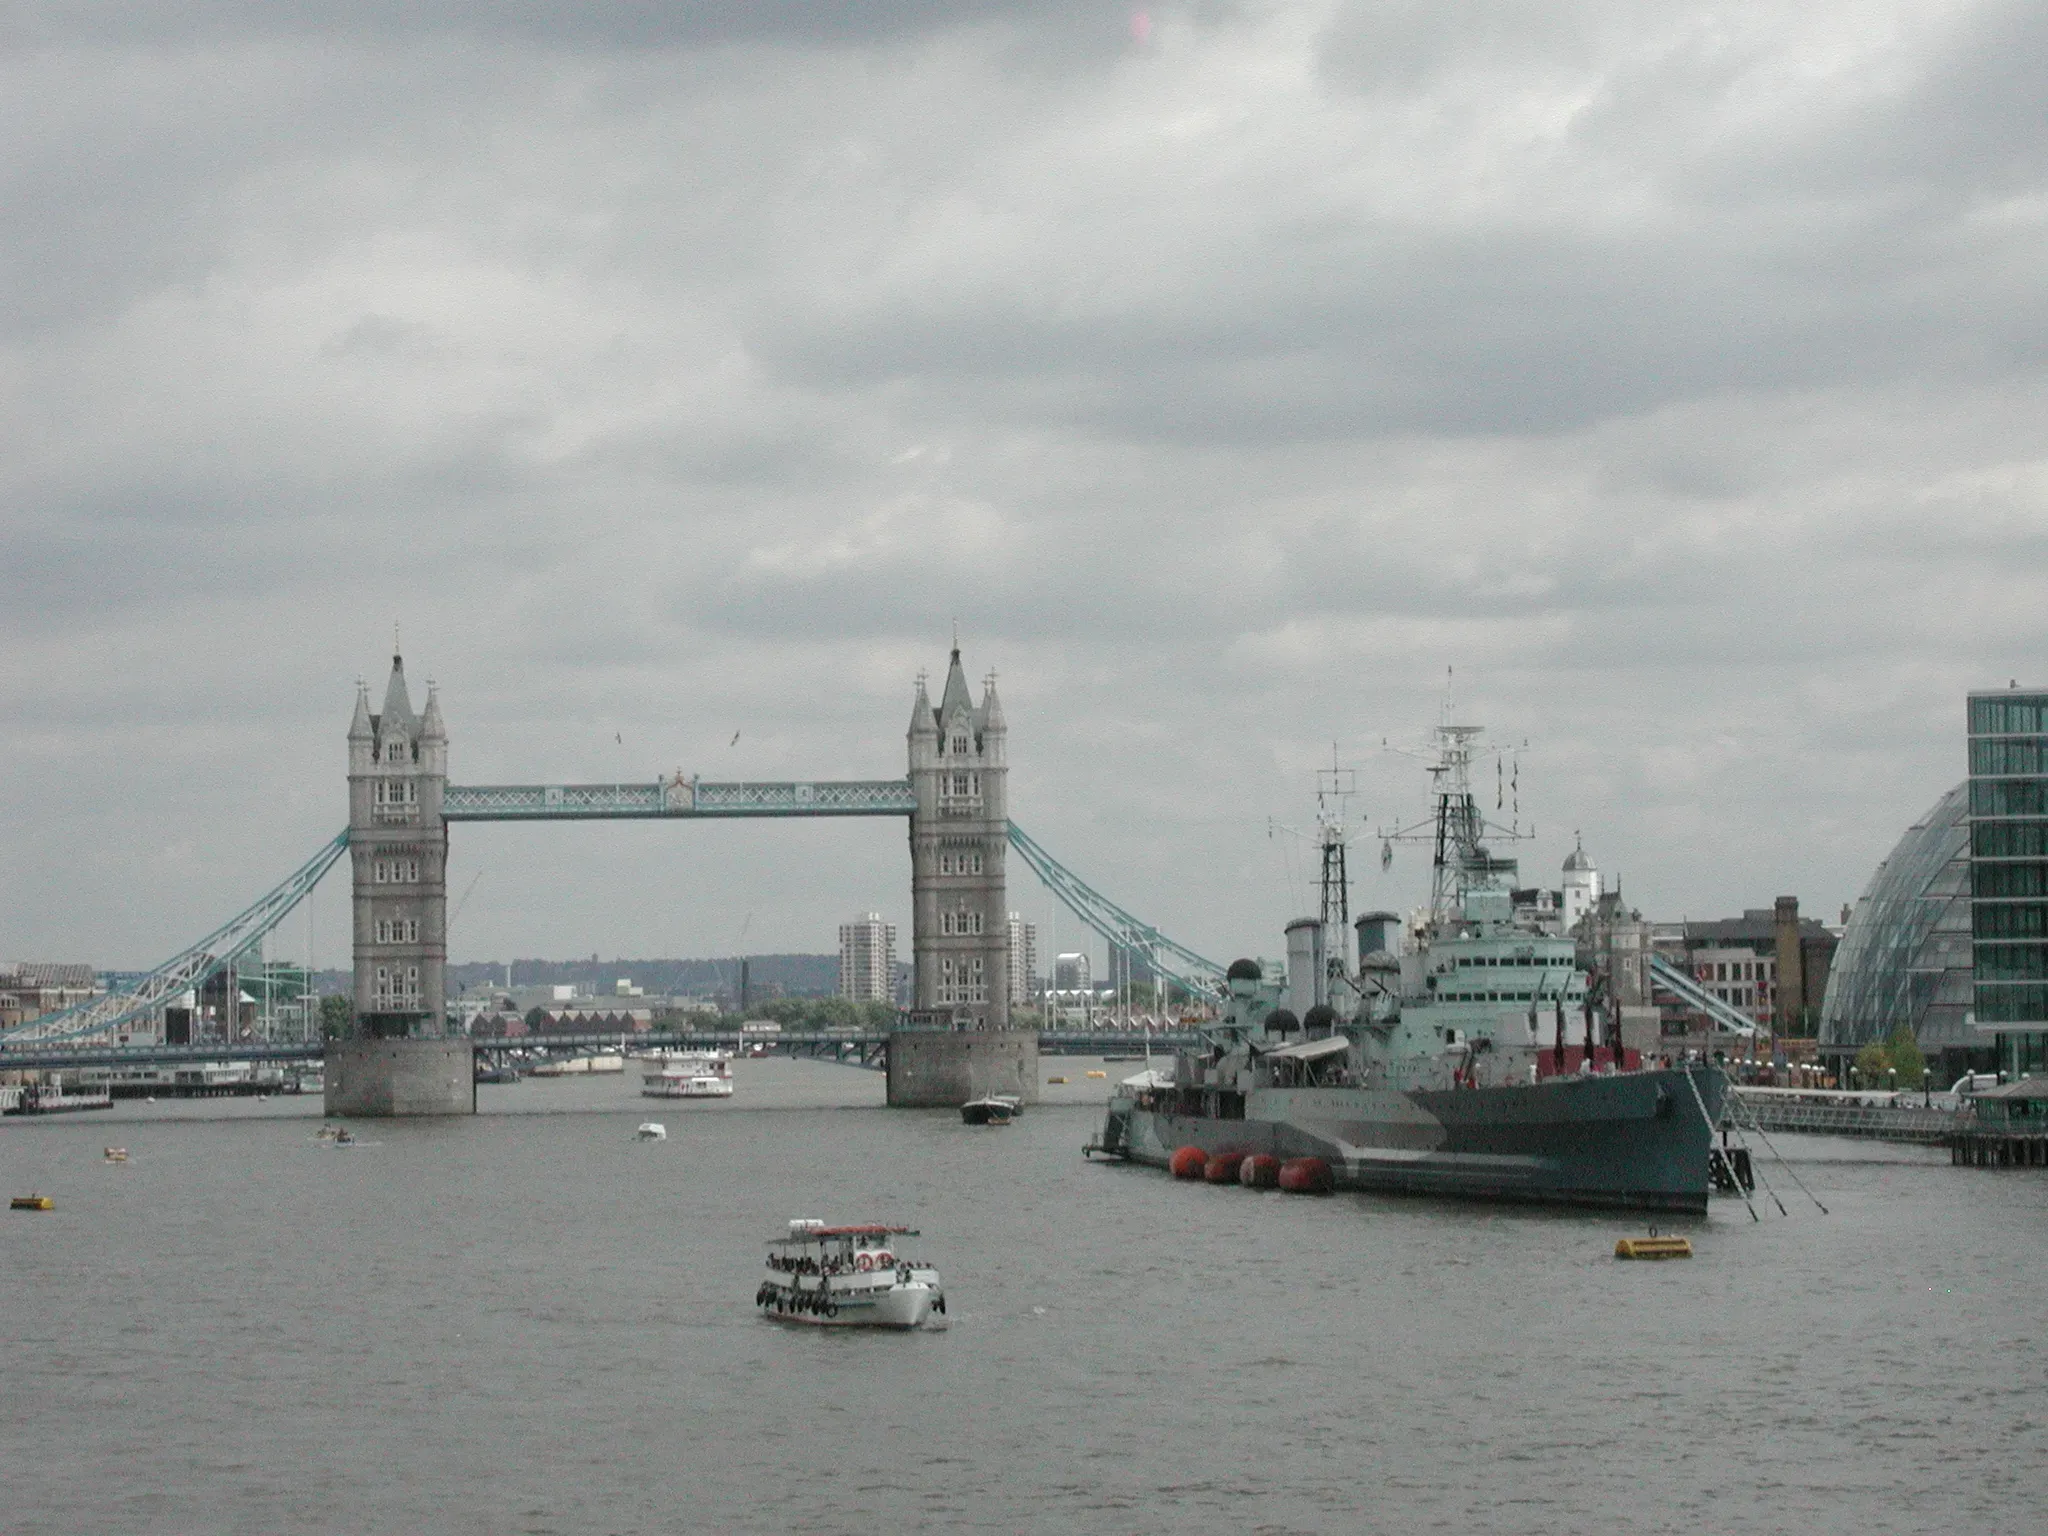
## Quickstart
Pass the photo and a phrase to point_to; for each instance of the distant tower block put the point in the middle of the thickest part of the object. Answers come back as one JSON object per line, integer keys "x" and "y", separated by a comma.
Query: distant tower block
{"x": 867, "y": 959}
{"x": 396, "y": 1061}
{"x": 959, "y": 835}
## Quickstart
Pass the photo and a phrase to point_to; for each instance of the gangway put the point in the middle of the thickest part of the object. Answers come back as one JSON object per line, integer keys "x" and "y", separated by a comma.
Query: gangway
{"x": 185, "y": 971}
{"x": 1690, "y": 992}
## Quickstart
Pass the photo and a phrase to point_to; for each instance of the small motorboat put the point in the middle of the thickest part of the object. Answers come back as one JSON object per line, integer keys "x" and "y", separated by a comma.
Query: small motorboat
{"x": 992, "y": 1109}
{"x": 848, "y": 1277}
{"x": 652, "y": 1130}
{"x": 33, "y": 1203}
{"x": 117, "y": 1154}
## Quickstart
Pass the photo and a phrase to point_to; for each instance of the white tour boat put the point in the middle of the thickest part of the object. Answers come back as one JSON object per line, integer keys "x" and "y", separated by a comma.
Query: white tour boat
{"x": 848, "y": 1277}
{"x": 691, "y": 1075}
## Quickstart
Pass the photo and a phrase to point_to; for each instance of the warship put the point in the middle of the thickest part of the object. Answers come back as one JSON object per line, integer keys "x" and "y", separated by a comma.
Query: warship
{"x": 1466, "y": 1054}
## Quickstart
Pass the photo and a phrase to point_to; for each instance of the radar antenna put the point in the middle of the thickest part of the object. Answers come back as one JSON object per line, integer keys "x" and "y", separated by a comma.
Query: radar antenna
{"x": 1457, "y": 829}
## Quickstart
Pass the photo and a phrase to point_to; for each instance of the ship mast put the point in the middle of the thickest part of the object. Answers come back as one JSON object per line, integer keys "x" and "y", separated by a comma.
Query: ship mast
{"x": 1457, "y": 826}
{"x": 1458, "y": 822}
{"x": 1334, "y": 788}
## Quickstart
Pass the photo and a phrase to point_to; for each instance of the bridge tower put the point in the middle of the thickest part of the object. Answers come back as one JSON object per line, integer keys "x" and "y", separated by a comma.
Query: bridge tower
{"x": 960, "y": 1045}
{"x": 396, "y": 1060}
{"x": 959, "y": 834}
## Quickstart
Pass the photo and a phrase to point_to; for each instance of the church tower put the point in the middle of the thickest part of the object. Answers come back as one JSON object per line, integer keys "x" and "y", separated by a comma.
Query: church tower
{"x": 959, "y": 836}
{"x": 398, "y": 847}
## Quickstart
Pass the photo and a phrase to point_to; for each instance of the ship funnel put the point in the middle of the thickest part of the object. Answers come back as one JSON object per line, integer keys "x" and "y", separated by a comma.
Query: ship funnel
{"x": 1306, "y": 975}
{"x": 1376, "y": 931}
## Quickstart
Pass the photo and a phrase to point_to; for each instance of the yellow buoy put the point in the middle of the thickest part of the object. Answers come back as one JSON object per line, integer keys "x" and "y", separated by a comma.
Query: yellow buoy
{"x": 1653, "y": 1248}
{"x": 1093, "y": 1072}
{"x": 33, "y": 1203}
{"x": 1055, "y": 1079}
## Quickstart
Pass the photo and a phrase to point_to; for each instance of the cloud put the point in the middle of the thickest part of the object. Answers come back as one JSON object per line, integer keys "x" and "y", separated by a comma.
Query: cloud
{"x": 671, "y": 371}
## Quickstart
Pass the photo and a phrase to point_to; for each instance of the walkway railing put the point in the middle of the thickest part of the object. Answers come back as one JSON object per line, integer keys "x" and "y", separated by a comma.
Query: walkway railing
{"x": 1773, "y": 1115}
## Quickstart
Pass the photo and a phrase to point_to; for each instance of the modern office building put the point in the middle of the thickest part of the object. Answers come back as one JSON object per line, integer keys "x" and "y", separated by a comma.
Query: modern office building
{"x": 1071, "y": 973}
{"x": 1905, "y": 959}
{"x": 2009, "y": 872}
{"x": 867, "y": 959}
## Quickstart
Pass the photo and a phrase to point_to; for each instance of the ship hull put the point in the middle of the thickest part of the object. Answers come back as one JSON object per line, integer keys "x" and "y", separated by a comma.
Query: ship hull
{"x": 1636, "y": 1140}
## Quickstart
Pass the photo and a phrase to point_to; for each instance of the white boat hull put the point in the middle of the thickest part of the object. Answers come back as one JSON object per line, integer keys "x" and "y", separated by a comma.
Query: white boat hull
{"x": 901, "y": 1306}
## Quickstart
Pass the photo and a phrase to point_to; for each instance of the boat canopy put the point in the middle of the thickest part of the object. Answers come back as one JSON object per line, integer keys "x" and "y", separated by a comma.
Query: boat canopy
{"x": 1152, "y": 1077}
{"x": 869, "y": 1230}
{"x": 1310, "y": 1050}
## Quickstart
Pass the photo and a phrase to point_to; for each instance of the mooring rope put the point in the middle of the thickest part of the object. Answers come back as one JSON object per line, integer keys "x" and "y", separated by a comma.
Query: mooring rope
{"x": 1686, "y": 1072}
{"x": 1790, "y": 1172}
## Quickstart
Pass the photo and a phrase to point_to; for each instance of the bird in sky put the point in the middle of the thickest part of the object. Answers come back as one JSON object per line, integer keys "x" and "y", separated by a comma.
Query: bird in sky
{"x": 735, "y": 739}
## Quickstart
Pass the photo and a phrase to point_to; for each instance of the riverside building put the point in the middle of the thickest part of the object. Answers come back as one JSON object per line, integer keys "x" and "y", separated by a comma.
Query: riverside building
{"x": 1905, "y": 959}
{"x": 2008, "y": 844}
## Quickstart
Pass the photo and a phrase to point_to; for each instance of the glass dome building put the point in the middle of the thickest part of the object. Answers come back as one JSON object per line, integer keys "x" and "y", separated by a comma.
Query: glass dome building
{"x": 1905, "y": 957}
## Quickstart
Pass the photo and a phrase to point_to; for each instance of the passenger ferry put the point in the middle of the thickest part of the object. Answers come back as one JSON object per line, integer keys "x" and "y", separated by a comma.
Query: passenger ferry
{"x": 692, "y": 1075}
{"x": 848, "y": 1277}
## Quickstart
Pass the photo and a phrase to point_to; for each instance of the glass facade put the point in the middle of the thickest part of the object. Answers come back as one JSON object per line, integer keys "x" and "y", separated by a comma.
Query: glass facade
{"x": 2009, "y": 869}
{"x": 1905, "y": 958}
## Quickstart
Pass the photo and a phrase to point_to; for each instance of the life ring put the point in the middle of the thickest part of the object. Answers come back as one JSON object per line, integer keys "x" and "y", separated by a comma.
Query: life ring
{"x": 884, "y": 1259}
{"x": 831, "y": 1309}
{"x": 864, "y": 1262}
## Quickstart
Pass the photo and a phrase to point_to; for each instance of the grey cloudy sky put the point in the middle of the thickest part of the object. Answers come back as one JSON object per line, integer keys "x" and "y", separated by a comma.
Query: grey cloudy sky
{"x": 1229, "y": 371}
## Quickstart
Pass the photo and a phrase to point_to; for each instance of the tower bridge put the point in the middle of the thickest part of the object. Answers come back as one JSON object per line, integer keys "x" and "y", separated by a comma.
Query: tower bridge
{"x": 401, "y": 805}
{"x": 402, "y": 1058}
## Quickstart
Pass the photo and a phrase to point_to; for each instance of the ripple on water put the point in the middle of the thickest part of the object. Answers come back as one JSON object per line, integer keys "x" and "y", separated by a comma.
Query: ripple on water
{"x": 529, "y": 1322}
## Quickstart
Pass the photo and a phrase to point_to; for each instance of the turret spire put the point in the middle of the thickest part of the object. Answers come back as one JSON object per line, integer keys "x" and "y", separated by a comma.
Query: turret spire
{"x": 922, "y": 721}
{"x": 991, "y": 707}
{"x": 956, "y": 695}
{"x": 397, "y": 702}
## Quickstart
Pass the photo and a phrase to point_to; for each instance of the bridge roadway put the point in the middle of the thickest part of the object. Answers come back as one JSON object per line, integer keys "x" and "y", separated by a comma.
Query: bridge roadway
{"x": 863, "y": 1048}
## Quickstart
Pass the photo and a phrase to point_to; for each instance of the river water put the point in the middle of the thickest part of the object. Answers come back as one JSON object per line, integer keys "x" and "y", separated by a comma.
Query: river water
{"x": 527, "y": 1321}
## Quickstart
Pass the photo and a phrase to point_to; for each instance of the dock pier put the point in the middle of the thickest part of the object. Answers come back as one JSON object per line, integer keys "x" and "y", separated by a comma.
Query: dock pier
{"x": 1998, "y": 1149}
